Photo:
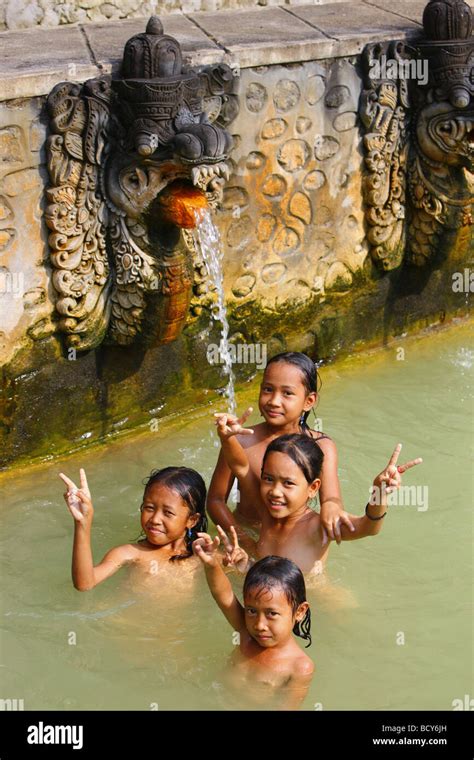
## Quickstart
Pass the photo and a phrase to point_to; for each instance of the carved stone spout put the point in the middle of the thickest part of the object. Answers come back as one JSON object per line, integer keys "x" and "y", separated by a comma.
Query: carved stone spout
{"x": 132, "y": 161}
{"x": 419, "y": 141}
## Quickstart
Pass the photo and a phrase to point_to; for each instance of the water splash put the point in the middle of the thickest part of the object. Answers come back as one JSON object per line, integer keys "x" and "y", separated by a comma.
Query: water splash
{"x": 209, "y": 243}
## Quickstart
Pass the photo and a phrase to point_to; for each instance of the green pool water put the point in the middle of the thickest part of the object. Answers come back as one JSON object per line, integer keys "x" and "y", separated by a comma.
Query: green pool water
{"x": 123, "y": 647}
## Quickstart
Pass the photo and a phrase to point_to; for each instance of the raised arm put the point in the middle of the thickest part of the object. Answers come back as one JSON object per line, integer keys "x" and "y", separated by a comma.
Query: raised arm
{"x": 228, "y": 427}
{"x": 219, "y": 585}
{"x": 84, "y": 575}
{"x": 390, "y": 479}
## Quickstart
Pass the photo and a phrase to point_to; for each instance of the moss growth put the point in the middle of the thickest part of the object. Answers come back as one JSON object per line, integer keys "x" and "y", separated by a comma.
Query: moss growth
{"x": 50, "y": 405}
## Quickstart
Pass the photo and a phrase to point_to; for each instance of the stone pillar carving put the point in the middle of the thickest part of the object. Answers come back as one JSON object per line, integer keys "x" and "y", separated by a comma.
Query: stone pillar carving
{"x": 418, "y": 113}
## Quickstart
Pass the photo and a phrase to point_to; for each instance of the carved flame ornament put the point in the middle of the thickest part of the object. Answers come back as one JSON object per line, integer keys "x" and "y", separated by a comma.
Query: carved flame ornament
{"x": 131, "y": 161}
{"x": 419, "y": 141}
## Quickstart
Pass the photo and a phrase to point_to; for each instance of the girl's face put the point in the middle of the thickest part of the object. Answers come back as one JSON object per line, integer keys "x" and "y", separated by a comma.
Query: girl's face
{"x": 165, "y": 516}
{"x": 283, "y": 486}
{"x": 283, "y": 396}
{"x": 269, "y": 617}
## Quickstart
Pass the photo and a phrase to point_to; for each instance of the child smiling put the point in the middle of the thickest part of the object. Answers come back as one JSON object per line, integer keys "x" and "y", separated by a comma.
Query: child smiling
{"x": 290, "y": 478}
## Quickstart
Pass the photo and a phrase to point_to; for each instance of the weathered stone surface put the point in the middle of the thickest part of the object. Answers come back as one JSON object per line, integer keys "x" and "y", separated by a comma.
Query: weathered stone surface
{"x": 256, "y": 37}
{"x": 300, "y": 206}
{"x": 345, "y": 121}
{"x": 34, "y": 297}
{"x": 410, "y": 9}
{"x": 325, "y": 147}
{"x": 314, "y": 180}
{"x": 33, "y": 61}
{"x": 20, "y": 182}
{"x": 6, "y": 237}
{"x": 41, "y": 329}
{"x": 294, "y": 155}
{"x": 266, "y": 227}
{"x": 274, "y": 186}
{"x": 255, "y": 160}
{"x": 107, "y": 40}
{"x": 255, "y": 97}
{"x": 274, "y": 128}
{"x": 273, "y": 273}
{"x": 349, "y": 20}
{"x": 11, "y": 145}
{"x": 244, "y": 285}
{"x": 286, "y": 95}
{"x": 24, "y": 14}
{"x": 338, "y": 277}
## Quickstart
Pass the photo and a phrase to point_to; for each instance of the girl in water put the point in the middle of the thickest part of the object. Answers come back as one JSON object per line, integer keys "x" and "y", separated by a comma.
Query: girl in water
{"x": 287, "y": 394}
{"x": 290, "y": 477}
{"x": 274, "y": 608}
{"x": 172, "y": 515}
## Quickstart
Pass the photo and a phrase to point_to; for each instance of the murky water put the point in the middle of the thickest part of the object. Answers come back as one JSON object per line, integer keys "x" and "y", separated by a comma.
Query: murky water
{"x": 123, "y": 647}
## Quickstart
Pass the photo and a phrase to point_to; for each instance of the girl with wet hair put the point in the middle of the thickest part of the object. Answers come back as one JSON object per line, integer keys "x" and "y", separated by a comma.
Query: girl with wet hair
{"x": 288, "y": 393}
{"x": 172, "y": 514}
{"x": 290, "y": 478}
{"x": 274, "y": 608}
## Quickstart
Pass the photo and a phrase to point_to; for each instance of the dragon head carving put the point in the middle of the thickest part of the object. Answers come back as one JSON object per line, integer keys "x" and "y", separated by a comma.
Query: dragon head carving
{"x": 132, "y": 161}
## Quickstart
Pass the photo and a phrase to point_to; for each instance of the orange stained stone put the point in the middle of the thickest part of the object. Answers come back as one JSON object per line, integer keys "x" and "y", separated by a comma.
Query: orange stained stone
{"x": 182, "y": 204}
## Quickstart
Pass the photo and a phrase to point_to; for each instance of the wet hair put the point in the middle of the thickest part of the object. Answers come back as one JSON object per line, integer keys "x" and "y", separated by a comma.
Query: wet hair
{"x": 271, "y": 572}
{"x": 191, "y": 487}
{"x": 309, "y": 375}
{"x": 302, "y": 449}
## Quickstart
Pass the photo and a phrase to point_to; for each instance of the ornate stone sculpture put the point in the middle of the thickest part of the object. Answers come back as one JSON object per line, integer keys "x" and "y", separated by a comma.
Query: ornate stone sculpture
{"x": 419, "y": 142}
{"x": 131, "y": 161}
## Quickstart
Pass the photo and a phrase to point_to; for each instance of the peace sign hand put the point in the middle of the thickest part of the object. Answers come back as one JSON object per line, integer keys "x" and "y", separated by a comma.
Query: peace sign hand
{"x": 77, "y": 499}
{"x": 391, "y": 477}
{"x": 229, "y": 425}
{"x": 206, "y": 549}
{"x": 234, "y": 555}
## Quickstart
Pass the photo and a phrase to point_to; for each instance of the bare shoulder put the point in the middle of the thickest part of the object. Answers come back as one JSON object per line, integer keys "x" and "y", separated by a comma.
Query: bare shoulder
{"x": 126, "y": 553}
{"x": 303, "y": 666}
{"x": 326, "y": 443}
{"x": 257, "y": 438}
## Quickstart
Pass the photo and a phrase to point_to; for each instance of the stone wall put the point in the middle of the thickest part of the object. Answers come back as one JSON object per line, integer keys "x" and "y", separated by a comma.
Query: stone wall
{"x": 298, "y": 273}
{"x": 293, "y": 220}
{"x": 27, "y": 300}
{"x": 25, "y": 14}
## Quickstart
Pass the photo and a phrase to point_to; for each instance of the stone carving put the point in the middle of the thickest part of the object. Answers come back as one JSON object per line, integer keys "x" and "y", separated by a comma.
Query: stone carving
{"x": 441, "y": 191}
{"x": 130, "y": 160}
{"x": 419, "y": 139}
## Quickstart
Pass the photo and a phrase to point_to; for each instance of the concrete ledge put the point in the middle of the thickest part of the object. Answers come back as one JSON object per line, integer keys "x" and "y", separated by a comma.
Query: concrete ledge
{"x": 34, "y": 60}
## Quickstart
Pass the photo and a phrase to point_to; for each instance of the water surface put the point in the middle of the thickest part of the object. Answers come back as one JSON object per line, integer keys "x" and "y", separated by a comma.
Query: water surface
{"x": 119, "y": 647}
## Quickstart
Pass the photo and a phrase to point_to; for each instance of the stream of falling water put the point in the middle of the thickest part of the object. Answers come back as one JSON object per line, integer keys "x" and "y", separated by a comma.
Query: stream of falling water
{"x": 209, "y": 243}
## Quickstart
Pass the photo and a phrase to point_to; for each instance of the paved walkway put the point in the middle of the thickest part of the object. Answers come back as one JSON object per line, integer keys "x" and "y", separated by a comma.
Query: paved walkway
{"x": 34, "y": 60}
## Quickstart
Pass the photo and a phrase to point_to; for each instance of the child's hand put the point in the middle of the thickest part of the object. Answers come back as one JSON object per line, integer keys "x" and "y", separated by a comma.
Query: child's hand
{"x": 229, "y": 425}
{"x": 206, "y": 549}
{"x": 391, "y": 478}
{"x": 234, "y": 555}
{"x": 78, "y": 499}
{"x": 332, "y": 516}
